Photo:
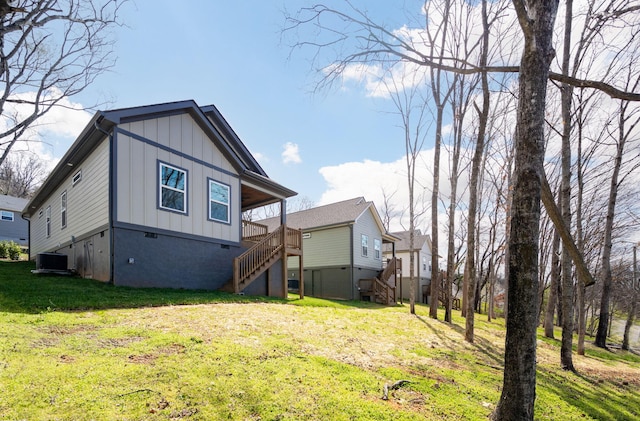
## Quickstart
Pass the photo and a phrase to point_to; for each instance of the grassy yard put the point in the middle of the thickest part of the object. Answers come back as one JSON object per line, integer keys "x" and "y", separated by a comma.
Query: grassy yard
{"x": 75, "y": 349}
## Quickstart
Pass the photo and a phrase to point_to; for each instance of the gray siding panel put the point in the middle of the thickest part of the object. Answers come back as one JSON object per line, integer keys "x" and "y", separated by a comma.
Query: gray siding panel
{"x": 366, "y": 225}
{"x": 16, "y": 230}
{"x": 87, "y": 204}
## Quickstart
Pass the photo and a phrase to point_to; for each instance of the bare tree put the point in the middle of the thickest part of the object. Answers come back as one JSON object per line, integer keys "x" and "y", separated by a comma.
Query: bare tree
{"x": 633, "y": 292}
{"x": 388, "y": 209}
{"x": 405, "y": 93}
{"x": 627, "y": 120}
{"x": 21, "y": 174}
{"x": 371, "y": 43}
{"x": 49, "y": 50}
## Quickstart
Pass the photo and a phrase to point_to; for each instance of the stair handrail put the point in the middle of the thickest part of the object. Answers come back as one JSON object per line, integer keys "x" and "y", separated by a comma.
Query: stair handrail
{"x": 383, "y": 289}
{"x": 251, "y": 260}
{"x": 389, "y": 270}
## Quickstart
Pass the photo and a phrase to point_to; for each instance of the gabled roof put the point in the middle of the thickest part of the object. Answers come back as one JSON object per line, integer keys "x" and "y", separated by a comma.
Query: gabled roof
{"x": 336, "y": 214}
{"x": 208, "y": 118}
{"x": 419, "y": 240}
{"x": 11, "y": 203}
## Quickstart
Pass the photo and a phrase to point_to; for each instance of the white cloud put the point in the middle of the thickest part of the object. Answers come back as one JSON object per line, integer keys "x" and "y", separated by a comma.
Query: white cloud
{"x": 52, "y": 134}
{"x": 291, "y": 154}
{"x": 260, "y": 157}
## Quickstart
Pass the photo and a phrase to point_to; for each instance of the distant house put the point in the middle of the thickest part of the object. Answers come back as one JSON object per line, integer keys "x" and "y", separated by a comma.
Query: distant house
{"x": 153, "y": 196}
{"x": 422, "y": 262}
{"x": 342, "y": 244}
{"x": 12, "y": 226}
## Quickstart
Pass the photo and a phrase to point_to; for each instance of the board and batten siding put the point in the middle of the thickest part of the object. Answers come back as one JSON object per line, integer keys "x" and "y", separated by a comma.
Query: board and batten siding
{"x": 366, "y": 224}
{"x": 87, "y": 204}
{"x": 178, "y": 141}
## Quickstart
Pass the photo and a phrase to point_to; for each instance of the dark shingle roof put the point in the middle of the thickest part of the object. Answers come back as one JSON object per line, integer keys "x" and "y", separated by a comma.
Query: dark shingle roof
{"x": 418, "y": 240}
{"x": 339, "y": 213}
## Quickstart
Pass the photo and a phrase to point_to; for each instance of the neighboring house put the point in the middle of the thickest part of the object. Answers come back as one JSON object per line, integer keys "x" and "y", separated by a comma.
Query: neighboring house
{"x": 342, "y": 244}
{"x": 152, "y": 196}
{"x": 12, "y": 226}
{"x": 422, "y": 262}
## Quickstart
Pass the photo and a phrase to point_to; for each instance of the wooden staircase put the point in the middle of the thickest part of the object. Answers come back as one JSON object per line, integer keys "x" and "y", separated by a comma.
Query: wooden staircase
{"x": 378, "y": 289}
{"x": 267, "y": 249}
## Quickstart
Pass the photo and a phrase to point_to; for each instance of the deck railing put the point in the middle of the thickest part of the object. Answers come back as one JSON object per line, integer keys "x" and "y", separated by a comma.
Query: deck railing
{"x": 253, "y": 231}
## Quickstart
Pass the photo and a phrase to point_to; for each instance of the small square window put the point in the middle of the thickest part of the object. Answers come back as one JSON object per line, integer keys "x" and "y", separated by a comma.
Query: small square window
{"x": 76, "y": 178}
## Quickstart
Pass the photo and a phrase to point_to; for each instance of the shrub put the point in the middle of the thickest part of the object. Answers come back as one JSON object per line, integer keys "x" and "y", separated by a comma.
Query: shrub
{"x": 9, "y": 249}
{"x": 14, "y": 251}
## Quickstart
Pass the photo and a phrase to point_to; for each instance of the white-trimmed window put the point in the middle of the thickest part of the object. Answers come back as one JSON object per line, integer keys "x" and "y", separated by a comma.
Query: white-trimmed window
{"x": 6, "y": 216}
{"x": 48, "y": 221}
{"x": 76, "y": 177}
{"x": 219, "y": 201}
{"x": 173, "y": 188}
{"x": 365, "y": 245}
{"x": 63, "y": 209}
{"x": 377, "y": 247}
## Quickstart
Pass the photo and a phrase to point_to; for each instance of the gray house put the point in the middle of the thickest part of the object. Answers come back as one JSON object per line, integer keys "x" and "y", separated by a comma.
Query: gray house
{"x": 342, "y": 244}
{"x": 421, "y": 263}
{"x": 152, "y": 196}
{"x": 12, "y": 226}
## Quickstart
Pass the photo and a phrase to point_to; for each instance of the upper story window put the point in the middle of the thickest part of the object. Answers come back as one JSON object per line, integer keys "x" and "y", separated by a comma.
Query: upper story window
{"x": 48, "y": 221}
{"x": 173, "y": 188}
{"x": 365, "y": 245}
{"x": 219, "y": 202}
{"x": 6, "y": 216}
{"x": 377, "y": 246}
{"x": 63, "y": 209}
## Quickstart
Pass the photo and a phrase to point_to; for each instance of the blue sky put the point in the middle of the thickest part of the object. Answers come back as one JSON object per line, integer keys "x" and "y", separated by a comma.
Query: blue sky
{"x": 231, "y": 54}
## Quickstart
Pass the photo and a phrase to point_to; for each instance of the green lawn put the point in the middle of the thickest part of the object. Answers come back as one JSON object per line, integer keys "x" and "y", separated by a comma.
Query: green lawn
{"x": 75, "y": 349}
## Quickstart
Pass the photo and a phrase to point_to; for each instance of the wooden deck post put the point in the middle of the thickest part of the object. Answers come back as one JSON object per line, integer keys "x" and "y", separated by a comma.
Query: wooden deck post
{"x": 301, "y": 277}
{"x": 285, "y": 268}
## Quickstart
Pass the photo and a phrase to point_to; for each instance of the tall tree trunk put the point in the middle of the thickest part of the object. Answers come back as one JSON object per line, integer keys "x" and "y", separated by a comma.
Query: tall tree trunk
{"x": 455, "y": 160}
{"x": 603, "y": 321}
{"x": 536, "y": 18}
{"x": 634, "y": 302}
{"x": 581, "y": 287}
{"x": 440, "y": 100}
{"x": 483, "y": 117}
{"x": 433, "y": 305}
{"x": 566, "y": 355}
{"x": 553, "y": 288}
